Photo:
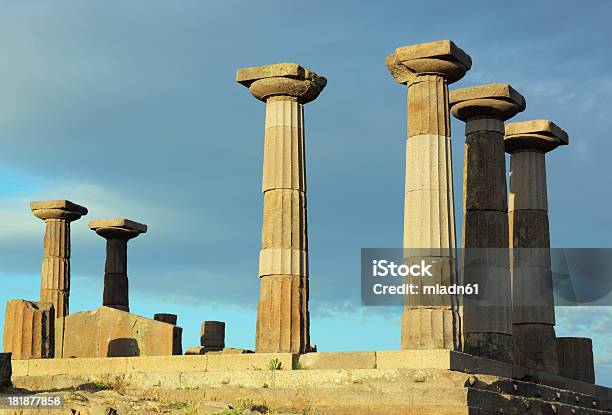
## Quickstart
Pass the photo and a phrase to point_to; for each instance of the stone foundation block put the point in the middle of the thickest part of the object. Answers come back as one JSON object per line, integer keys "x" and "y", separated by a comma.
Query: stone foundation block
{"x": 108, "y": 332}
{"x": 576, "y": 358}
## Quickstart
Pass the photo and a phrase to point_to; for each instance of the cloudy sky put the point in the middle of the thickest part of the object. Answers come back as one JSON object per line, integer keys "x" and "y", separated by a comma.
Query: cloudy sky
{"x": 131, "y": 109}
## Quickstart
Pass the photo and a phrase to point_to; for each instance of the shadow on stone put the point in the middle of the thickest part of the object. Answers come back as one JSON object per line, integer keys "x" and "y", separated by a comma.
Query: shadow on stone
{"x": 123, "y": 347}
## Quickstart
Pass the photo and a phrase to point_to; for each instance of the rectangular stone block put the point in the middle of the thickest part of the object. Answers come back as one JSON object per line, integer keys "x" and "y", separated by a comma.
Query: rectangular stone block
{"x": 337, "y": 360}
{"x": 175, "y": 364}
{"x": 29, "y": 329}
{"x": 576, "y": 358}
{"x": 250, "y": 361}
{"x": 48, "y": 367}
{"x": 81, "y": 335}
{"x": 97, "y": 366}
{"x": 108, "y": 332}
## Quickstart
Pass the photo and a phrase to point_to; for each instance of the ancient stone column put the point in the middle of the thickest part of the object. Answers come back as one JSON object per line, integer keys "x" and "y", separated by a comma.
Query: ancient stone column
{"x": 6, "y": 370}
{"x": 487, "y": 318}
{"x": 29, "y": 329}
{"x": 213, "y": 335}
{"x": 117, "y": 233}
{"x": 282, "y": 317}
{"x": 429, "y": 216}
{"x": 55, "y": 275}
{"x": 533, "y": 313}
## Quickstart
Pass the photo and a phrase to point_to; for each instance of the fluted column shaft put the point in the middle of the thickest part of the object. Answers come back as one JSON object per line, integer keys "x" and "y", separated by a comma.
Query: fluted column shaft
{"x": 116, "y": 292}
{"x": 487, "y": 319}
{"x": 55, "y": 274}
{"x": 530, "y": 239}
{"x": 532, "y": 288}
{"x": 429, "y": 216}
{"x": 283, "y": 318}
{"x": 533, "y": 313}
{"x": 283, "y": 322}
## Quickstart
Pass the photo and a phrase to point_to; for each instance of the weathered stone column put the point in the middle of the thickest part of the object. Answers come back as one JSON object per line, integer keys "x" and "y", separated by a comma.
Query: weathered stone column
{"x": 282, "y": 317}
{"x": 533, "y": 313}
{"x": 117, "y": 233}
{"x": 55, "y": 275}
{"x": 29, "y": 329}
{"x": 429, "y": 216}
{"x": 487, "y": 318}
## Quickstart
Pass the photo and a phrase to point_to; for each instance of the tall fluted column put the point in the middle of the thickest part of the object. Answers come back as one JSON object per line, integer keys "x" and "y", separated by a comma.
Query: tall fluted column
{"x": 533, "y": 313}
{"x": 55, "y": 275}
{"x": 282, "y": 316}
{"x": 487, "y": 318}
{"x": 117, "y": 233}
{"x": 429, "y": 216}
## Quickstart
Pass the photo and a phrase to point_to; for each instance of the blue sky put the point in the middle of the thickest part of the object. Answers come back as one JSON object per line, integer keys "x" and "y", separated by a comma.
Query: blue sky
{"x": 132, "y": 109}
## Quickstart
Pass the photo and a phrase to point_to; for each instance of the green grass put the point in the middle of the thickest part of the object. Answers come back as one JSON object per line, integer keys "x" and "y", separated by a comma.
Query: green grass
{"x": 274, "y": 364}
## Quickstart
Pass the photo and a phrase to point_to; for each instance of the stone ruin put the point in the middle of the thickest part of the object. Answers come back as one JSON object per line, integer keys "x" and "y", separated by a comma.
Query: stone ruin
{"x": 509, "y": 333}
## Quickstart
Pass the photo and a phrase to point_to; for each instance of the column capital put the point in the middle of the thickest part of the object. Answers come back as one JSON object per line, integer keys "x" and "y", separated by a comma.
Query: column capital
{"x": 282, "y": 79}
{"x": 499, "y": 101}
{"x": 442, "y": 58}
{"x": 58, "y": 209}
{"x": 538, "y": 135}
{"x": 117, "y": 228}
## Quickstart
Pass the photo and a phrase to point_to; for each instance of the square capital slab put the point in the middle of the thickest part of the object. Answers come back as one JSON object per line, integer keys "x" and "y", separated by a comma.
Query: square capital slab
{"x": 59, "y": 204}
{"x": 246, "y": 76}
{"x": 498, "y": 100}
{"x": 542, "y": 135}
{"x": 57, "y": 209}
{"x": 439, "y": 49}
{"x": 282, "y": 79}
{"x": 442, "y": 57}
{"x": 119, "y": 223}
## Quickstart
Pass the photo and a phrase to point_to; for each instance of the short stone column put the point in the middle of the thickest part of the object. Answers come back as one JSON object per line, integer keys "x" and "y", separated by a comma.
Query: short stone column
{"x": 429, "y": 215}
{"x": 117, "y": 233}
{"x": 29, "y": 329}
{"x": 533, "y": 313}
{"x": 282, "y": 317}
{"x": 487, "y": 318}
{"x": 6, "y": 371}
{"x": 55, "y": 275}
{"x": 212, "y": 335}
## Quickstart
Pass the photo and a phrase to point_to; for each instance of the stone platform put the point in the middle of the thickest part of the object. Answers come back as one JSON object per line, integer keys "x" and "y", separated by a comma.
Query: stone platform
{"x": 386, "y": 382}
